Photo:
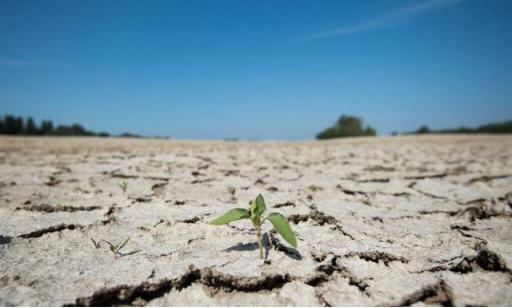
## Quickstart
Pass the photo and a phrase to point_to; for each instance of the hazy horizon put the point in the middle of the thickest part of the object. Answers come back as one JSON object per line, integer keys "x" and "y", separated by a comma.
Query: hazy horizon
{"x": 256, "y": 69}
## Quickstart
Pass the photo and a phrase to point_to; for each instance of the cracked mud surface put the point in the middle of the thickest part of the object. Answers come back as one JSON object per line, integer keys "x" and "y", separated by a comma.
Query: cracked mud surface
{"x": 379, "y": 221}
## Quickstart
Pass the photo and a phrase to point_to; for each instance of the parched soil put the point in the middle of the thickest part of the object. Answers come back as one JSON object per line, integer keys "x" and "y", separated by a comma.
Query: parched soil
{"x": 379, "y": 221}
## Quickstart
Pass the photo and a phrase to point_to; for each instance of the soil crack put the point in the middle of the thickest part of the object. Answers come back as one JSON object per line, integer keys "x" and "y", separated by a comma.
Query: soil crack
{"x": 57, "y": 228}
{"x": 320, "y": 218}
{"x": 438, "y": 293}
{"x": 47, "y": 208}
{"x": 377, "y": 256}
{"x": 144, "y": 292}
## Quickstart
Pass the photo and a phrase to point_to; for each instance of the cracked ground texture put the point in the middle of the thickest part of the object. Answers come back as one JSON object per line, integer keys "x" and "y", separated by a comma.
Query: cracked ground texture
{"x": 379, "y": 221}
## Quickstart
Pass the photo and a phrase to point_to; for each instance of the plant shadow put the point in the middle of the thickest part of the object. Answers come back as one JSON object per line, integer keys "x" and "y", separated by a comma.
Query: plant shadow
{"x": 243, "y": 247}
{"x": 269, "y": 242}
{"x": 128, "y": 253}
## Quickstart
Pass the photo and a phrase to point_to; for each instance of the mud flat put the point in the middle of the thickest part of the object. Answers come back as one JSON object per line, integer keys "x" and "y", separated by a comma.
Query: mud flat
{"x": 379, "y": 221}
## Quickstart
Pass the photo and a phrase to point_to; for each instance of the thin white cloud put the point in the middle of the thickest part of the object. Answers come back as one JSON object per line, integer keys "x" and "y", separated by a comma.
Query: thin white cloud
{"x": 388, "y": 20}
{"x": 22, "y": 63}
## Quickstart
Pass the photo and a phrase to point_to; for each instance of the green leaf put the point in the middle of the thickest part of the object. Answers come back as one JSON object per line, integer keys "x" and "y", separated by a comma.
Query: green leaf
{"x": 281, "y": 225}
{"x": 96, "y": 244}
{"x": 258, "y": 207}
{"x": 121, "y": 245}
{"x": 232, "y": 215}
{"x": 112, "y": 246}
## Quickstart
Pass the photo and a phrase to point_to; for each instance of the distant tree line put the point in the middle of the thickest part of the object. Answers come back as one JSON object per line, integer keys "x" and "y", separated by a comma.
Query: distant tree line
{"x": 13, "y": 125}
{"x": 347, "y": 126}
{"x": 491, "y": 128}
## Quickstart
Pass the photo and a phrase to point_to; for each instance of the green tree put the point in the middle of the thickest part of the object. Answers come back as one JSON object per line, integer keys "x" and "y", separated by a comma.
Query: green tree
{"x": 47, "y": 127}
{"x": 13, "y": 125}
{"x": 19, "y": 125}
{"x": 9, "y": 126}
{"x": 2, "y": 126}
{"x": 496, "y": 128}
{"x": 423, "y": 130}
{"x": 347, "y": 126}
{"x": 31, "y": 128}
{"x": 370, "y": 131}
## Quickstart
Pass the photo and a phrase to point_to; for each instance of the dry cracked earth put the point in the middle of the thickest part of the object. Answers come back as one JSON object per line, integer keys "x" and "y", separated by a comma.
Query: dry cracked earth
{"x": 379, "y": 221}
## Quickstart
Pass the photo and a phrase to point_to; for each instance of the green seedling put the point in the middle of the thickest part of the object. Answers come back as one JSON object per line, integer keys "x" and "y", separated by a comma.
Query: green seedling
{"x": 255, "y": 214}
{"x": 124, "y": 186}
{"x": 114, "y": 248}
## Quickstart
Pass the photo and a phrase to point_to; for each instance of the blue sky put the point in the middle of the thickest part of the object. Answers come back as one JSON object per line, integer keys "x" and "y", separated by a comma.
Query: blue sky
{"x": 256, "y": 69}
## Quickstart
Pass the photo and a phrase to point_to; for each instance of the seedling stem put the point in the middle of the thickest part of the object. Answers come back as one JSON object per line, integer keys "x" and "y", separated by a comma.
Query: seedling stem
{"x": 260, "y": 244}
